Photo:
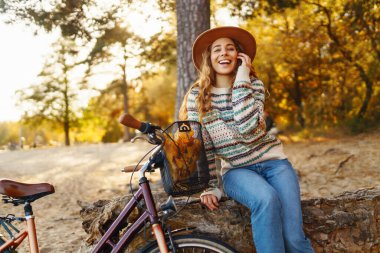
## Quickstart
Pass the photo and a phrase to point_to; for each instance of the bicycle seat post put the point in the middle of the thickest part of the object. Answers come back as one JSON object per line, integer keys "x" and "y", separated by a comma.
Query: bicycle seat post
{"x": 32, "y": 234}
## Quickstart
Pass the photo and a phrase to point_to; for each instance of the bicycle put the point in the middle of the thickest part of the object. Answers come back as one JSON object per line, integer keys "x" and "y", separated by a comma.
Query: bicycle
{"x": 192, "y": 178}
{"x": 17, "y": 193}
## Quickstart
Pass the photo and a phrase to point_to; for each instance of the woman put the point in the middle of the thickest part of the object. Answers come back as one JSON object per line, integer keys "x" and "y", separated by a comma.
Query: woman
{"x": 228, "y": 100}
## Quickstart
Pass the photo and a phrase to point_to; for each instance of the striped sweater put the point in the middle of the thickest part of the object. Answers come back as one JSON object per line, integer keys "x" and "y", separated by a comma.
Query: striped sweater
{"x": 234, "y": 129}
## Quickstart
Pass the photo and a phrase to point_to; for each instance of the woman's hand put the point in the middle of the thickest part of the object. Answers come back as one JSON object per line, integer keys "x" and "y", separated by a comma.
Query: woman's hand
{"x": 246, "y": 60}
{"x": 211, "y": 201}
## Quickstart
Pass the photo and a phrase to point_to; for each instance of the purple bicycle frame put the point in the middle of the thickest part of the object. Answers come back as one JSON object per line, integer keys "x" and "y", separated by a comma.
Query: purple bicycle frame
{"x": 150, "y": 214}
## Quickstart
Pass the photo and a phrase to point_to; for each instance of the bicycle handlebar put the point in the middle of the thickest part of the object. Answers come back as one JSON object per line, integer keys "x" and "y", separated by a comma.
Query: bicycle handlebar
{"x": 129, "y": 121}
{"x": 152, "y": 136}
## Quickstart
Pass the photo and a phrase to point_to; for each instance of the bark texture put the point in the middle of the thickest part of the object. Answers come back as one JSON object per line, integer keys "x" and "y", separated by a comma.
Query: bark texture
{"x": 193, "y": 17}
{"x": 349, "y": 222}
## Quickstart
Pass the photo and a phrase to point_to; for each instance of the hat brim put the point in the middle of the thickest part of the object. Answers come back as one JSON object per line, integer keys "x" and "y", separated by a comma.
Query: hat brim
{"x": 246, "y": 41}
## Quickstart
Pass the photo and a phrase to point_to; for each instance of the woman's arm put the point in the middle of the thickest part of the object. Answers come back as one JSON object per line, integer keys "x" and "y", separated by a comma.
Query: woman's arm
{"x": 210, "y": 153}
{"x": 211, "y": 195}
{"x": 247, "y": 101}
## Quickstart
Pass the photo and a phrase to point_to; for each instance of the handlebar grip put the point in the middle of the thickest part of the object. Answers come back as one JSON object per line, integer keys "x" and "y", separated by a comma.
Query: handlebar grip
{"x": 129, "y": 121}
{"x": 131, "y": 168}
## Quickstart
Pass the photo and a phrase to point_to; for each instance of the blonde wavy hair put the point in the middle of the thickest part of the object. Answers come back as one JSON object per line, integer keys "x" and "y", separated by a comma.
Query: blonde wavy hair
{"x": 204, "y": 83}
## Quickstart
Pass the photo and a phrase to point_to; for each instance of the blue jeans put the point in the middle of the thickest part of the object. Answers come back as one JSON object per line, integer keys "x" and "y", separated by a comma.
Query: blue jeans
{"x": 271, "y": 191}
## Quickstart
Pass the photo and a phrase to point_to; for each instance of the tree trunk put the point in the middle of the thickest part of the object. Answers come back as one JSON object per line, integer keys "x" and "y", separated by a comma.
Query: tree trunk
{"x": 124, "y": 90}
{"x": 298, "y": 99}
{"x": 66, "y": 126}
{"x": 368, "y": 93}
{"x": 342, "y": 108}
{"x": 193, "y": 17}
{"x": 345, "y": 223}
{"x": 66, "y": 120}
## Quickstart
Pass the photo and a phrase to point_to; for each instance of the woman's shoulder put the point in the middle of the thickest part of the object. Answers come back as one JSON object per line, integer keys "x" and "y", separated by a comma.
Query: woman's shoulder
{"x": 194, "y": 91}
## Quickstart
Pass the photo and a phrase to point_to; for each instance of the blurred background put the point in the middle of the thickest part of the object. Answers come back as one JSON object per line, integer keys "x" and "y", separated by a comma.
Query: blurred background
{"x": 69, "y": 68}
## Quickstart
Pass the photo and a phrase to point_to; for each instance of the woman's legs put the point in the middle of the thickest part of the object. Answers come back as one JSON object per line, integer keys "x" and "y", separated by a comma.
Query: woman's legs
{"x": 271, "y": 191}
{"x": 251, "y": 189}
{"x": 282, "y": 177}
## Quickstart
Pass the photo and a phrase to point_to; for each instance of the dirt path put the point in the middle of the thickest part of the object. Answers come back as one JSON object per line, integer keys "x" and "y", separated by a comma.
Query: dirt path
{"x": 329, "y": 167}
{"x": 92, "y": 172}
{"x": 82, "y": 173}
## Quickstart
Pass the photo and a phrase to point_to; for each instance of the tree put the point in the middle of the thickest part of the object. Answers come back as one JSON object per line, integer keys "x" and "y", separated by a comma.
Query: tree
{"x": 193, "y": 17}
{"x": 9, "y": 133}
{"x": 349, "y": 25}
{"x": 152, "y": 99}
{"x": 67, "y": 15}
{"x": 318, "y": 59}
{"x": 119, "y": 37}
{"x": 148, "y": 53}
{"x": 106, "y": 31}
{"x": 52, "y": 98}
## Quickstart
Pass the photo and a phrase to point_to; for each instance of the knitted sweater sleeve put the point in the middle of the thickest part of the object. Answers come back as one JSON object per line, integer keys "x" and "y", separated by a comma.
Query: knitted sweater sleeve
{"x": 192, "y": 113}
{"x": 247, "y": 101}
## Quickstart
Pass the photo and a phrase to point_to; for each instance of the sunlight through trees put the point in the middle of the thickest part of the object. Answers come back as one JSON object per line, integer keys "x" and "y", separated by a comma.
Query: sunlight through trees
{"x": 319, "y": 61}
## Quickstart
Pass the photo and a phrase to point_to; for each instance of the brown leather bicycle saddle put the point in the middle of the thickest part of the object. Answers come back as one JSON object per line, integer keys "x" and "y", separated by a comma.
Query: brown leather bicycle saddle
{"x": 25, "y": 191}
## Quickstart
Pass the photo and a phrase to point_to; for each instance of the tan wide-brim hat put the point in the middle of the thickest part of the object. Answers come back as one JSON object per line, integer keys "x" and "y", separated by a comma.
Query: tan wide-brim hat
{"x": 246, "y": 41}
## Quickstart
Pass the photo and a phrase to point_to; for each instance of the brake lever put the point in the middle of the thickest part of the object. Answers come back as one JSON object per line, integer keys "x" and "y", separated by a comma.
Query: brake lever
{"x": 142, "y": 137}
{"x": 154, "y": 139}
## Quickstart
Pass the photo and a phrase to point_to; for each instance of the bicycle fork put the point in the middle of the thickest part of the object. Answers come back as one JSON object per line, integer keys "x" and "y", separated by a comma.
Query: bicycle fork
{"x": 160, "y": 237}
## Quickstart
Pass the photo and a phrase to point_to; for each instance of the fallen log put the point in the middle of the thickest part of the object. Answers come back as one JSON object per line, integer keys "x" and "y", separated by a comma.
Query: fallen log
{"x": 349, "y": 222}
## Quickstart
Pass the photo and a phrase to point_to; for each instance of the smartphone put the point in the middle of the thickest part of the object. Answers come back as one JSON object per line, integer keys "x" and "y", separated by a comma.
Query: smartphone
{"x": 239, "y": 62}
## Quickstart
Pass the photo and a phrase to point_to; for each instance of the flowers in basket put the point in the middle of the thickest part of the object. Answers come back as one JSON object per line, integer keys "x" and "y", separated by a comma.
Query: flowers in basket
{"x": 182, "y": 151}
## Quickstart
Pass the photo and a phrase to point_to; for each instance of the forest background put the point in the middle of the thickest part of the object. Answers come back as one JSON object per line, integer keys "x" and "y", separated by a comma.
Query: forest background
{"x": 318, "y": 59}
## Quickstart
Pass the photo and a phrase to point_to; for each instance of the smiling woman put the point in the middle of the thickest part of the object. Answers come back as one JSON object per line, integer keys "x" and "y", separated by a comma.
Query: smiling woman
{"x": 228, "y": 99}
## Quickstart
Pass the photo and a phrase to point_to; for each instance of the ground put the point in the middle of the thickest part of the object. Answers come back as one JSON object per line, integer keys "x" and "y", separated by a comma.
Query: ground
{"x": 91, "y": 172}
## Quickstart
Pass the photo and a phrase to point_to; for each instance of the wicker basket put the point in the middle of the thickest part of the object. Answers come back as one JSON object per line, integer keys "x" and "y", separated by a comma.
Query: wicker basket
{"x": 185, "y": 169}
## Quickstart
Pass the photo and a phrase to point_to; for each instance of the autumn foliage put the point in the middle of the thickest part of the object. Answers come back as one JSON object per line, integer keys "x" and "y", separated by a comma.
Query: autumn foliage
{"x": 319, "y": 61}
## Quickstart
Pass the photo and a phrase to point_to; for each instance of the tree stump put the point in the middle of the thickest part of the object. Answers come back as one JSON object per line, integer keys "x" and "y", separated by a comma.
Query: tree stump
{"x": 349, "y": 222}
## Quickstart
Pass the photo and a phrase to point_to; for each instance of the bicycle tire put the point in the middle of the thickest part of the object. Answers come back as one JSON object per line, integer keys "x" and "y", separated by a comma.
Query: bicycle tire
{"x": 192, "y": 243}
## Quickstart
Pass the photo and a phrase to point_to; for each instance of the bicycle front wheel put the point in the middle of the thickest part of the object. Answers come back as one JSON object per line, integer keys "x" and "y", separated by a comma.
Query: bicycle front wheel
{"x": 192, "y": 243}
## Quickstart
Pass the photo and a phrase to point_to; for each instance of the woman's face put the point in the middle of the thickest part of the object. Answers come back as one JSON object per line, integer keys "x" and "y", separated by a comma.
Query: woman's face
{"x": 223, "y": 56}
